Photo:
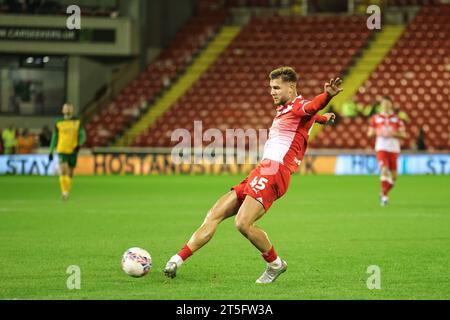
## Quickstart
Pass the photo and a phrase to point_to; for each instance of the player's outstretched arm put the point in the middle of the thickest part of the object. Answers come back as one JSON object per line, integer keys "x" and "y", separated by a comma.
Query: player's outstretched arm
{"x": 325, "y": 118}
{"x": 331, "y": 89}
{"x": 81, "y": 139}
{"x": 371, "y": 128}
{"x": 330, "y": 116}
{"x": 81, "y": 136}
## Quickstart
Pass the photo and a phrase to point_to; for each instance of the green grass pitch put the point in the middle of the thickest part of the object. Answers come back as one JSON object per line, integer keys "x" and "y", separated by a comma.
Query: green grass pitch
{"x": 329, "y": 229}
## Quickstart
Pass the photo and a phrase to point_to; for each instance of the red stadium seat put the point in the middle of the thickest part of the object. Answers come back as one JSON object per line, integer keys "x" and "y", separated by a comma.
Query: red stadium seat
{"x": 415, "y": 76}
{"x": 169, "y": 64}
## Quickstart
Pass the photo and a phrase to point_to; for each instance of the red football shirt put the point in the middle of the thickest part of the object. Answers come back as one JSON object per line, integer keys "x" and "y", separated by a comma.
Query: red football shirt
{"x": 288, "y": 136}
{"x": 384, "y": 124}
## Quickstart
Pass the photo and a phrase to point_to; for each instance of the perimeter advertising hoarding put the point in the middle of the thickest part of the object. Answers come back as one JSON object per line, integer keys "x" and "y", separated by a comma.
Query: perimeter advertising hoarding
{"x": 160, "y": 164}
{"x": 39, "y": 165}
{"x": 142, "y": 164}
{"x": 353, "y": 164}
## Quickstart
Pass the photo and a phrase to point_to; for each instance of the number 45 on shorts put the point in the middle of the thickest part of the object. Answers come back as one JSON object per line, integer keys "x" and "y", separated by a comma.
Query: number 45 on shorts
{"x": 258, "y": 184}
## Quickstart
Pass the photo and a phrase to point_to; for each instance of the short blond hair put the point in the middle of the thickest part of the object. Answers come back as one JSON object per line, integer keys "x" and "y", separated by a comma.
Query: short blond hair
{"x": 287, "y": 74}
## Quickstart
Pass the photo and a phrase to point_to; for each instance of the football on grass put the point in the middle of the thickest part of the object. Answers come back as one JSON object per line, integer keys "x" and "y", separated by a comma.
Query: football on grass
{"x": 136, "y": 262}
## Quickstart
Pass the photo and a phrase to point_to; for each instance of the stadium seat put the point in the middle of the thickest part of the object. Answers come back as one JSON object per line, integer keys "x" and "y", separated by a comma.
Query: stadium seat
{"x": 234, "y": 92}
{"x": 172, "y": 61}
{"x": 415, "y": 74}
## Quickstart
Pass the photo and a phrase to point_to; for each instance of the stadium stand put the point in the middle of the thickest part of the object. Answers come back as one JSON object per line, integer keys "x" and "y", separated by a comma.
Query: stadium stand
{"x": 233, "y": 93}
{"x": 399, "y": 3}
{"x": 159, "y": 75}
{"x": 105, "y": 8}
{"x": 259, "y": 3}
{"x": 415, "y": 74}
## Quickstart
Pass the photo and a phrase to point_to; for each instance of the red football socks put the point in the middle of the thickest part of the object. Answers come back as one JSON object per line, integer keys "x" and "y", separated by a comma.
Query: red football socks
{"x": 185, "y": 253}
{"x": 270, "y": 256}
{"x": 390, "y": 186}
{"x": 386, "y": 186}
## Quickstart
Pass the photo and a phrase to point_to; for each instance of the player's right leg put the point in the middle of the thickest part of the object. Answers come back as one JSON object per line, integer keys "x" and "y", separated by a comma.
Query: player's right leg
{"x": 64, "y": 178}
{"x": 386, "y": 183}
{"x": 225, "y": 207}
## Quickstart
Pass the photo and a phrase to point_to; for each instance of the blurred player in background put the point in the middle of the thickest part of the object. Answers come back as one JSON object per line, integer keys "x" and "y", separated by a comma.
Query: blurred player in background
{"x": 67, "y": 138}
{"x": 25, "y": 142}
{"x": 388, "y": 129}
{"x": 269, "y": 181}
{"x": 9, "y": 140}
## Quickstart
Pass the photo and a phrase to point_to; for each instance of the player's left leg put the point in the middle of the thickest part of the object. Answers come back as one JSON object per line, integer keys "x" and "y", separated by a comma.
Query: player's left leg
{"x": 70, "y": 178}
{"x": 67, "y": 166}
{"x": 251, "y": 211}
{"x": 385, "y": 179}
{"x": 392, "y": 176}
{"x": 72, "y": 164}
{"x": 385, "y": 176}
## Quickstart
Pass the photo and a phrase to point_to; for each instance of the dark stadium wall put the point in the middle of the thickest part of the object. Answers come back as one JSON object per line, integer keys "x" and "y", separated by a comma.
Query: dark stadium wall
{"x": 162, "y": 20}
{"x": 34, "y": 123}
{"x": 157, "y": 22}
{"x": 318, "y": 6}
{"x": 85, "y": 77}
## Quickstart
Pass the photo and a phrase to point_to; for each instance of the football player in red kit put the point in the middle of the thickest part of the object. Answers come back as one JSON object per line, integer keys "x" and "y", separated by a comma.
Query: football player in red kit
{"x": 388, "y": 129}
{"x": 269, "y": 181}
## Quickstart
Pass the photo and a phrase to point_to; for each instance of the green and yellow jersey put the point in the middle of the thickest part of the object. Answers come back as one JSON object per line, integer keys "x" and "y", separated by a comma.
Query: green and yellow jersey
{"x": 68, "y": 134}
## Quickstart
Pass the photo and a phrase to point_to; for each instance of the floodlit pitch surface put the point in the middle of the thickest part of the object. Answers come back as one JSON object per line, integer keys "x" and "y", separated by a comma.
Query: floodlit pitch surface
{"x": 329, "y": 229}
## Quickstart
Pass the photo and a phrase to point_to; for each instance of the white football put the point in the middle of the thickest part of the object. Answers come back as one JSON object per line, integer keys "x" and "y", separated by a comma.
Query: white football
{"x": 136, "y": 262}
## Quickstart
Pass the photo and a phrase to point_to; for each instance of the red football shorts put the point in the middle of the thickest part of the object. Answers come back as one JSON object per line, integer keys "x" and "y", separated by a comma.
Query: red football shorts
{"x": 268, "y": 182}
{"x": 388, "y": 159}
